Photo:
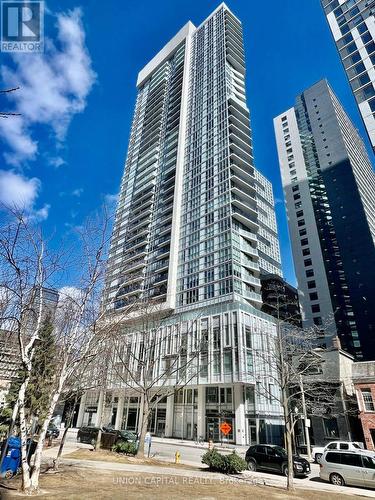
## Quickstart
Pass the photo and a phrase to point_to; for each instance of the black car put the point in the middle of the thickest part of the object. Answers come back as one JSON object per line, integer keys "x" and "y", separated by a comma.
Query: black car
{"x": 274, "y": 458}
{"x": 52, "y": 431}
{"x": 89, "y": 435}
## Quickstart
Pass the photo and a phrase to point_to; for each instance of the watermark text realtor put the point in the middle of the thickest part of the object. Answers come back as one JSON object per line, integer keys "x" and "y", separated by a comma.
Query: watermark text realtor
{"x": 22, "y": 26}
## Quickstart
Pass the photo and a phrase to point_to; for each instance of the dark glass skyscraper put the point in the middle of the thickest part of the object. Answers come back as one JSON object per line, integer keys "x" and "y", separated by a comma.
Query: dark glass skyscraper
{"x": 329, "y": 187}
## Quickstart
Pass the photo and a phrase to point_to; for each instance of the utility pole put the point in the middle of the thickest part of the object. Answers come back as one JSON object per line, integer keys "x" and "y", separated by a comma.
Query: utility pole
{"x": 307, "y": 435}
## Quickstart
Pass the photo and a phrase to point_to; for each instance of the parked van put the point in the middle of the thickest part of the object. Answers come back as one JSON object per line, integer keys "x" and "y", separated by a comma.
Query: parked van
{"x": 354, "y": 468}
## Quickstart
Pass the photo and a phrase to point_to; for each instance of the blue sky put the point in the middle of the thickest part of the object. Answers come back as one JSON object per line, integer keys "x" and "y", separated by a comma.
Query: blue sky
{"x": 65, "y": 155}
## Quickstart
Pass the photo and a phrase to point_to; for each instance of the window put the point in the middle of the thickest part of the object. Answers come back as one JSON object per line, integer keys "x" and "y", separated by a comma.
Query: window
{"x": 212, "y": 395}
{"x": 330, "y": 427}
{"x": 304, "y": 241}
{"x": 333, "y": 458}
{"x": 351, "y": 459}
{"x": 318, "y": 321}
{"x": 311, "y": 284}
{"x": 367, "y": 400}
{"x": 298, "y": 204}
{"x": 344, "y": 446}
{"x": 313, "y": 296}
{"x": 302, "y": 232}
{"x": 332, "y": 446}
{"x": 315, "y": 308}
{"x": 309, "y": 273}
{"x": 308, "y": 262}
{"x": 368, "y": 462}
{"x": 295, "y": 188}
{"x": 301, "y": 222}
{"x": 299, "y": 213}
{"x": 305, "y": 252}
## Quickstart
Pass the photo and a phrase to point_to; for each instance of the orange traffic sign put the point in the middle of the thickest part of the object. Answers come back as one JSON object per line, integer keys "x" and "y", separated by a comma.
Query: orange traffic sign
{"x": 225, "y": 428}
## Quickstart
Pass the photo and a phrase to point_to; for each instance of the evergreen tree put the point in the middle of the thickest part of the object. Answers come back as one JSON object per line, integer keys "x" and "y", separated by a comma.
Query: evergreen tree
{"x": 42, "y": 372}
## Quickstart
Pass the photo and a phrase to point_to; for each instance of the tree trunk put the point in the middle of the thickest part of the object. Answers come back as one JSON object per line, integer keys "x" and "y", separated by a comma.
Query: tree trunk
{"x": 145, "y": 417}
{"x": 56, "y": 462}
{"x": 39, "y": 449}
{"x": 288, "y": 440}
{"x": 21, "y": 408}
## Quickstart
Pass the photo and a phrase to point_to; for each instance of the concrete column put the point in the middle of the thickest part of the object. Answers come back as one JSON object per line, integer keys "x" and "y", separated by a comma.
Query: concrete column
{"x": 169, "y": 416}
{"x": 120, "y": 411}
{"x": 100, "y": 409}
{"x": 201, "y": 414}
{"x": 81, "y": 411}
{"x": 240, "y": 424}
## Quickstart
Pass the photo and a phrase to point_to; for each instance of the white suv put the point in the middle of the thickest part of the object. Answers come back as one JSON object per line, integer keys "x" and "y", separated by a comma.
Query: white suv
{"x": 317, "y": 451}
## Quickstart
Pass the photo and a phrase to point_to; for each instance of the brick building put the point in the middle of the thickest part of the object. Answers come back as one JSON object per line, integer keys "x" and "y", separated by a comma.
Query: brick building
{"x": 364, "y": 383}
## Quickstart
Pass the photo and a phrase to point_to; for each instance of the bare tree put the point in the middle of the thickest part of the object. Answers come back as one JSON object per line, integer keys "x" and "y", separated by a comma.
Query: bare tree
{"x": 153, "y": 355}
{"x": 26, "y": 269}
{"x": 288, "y": 362}
{"x": 6, "y": 114}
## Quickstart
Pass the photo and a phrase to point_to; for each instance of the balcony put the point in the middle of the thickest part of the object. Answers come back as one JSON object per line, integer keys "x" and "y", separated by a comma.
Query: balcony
{"x": 239, "y": 124}
{"x": 239, "y": 136}
{"x": 128, "y": 290}
{"x": 133, "y": 266}
{"x": 246, "y": 262}
{"x": 241, "y": 210}
{"x": 249, "y": 278}
{"x": 244, "y": 194}
{"x": 245, "y": 247}
{"x": 253, "y": 296}
{"x": 240, "y": 149}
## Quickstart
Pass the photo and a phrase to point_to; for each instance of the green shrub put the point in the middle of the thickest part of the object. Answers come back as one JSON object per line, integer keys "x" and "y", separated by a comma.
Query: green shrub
{"x": 235, "y": 463}
{"x": 125, "y": 447}
{"x": 226, "y": 464}
{"x": 215, "y": 460}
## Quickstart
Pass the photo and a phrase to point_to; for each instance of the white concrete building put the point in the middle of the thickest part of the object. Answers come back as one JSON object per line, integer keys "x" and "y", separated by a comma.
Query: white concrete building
{"x": 195, "y": 226}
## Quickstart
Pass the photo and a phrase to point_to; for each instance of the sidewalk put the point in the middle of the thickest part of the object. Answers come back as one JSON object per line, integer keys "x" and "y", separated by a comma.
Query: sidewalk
{"x": 202, "y": 446}
{"x": 255, "y": 478}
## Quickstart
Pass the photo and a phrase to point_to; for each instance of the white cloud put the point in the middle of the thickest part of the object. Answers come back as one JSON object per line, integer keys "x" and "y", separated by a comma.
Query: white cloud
{"x": 18, "y": 192}
{"x": 56, "y": 161}
{"x": 111, "y": 199}
{"x": 77, "y": 192}
{"x": 53, "y": 87}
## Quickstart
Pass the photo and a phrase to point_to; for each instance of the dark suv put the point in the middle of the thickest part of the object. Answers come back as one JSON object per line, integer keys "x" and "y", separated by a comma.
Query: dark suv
{"x": 89, "y": 435}
{"x": 274, "y": 458}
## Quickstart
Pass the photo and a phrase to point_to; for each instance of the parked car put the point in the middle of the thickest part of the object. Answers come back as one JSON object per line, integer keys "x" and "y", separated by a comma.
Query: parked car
{"x": 354, "y": 468}
{"x": 89, "y": 435}
{"x": 317, "y": 451}
{"x": 274, "y": 458}
{"x": 52, "y": 431}
{"x": 127, "y": 436}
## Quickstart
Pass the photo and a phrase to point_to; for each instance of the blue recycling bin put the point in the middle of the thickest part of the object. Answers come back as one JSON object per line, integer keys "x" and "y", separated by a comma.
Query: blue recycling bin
{"x": 12, "y": 459}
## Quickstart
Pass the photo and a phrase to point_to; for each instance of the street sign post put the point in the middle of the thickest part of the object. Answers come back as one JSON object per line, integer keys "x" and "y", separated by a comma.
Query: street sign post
{"x": 225, "y": 428}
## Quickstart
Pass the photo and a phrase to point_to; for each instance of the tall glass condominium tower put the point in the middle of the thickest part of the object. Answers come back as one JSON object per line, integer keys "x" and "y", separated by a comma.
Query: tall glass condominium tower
{"x": 195, "y": 221}
{"x": 195, "y": 226}
{"x": 329, "y": 187}
{"x": 352, "y": 23}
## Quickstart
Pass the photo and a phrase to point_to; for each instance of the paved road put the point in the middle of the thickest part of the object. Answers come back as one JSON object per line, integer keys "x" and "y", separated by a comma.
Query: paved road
{"x": 191, "y": 455}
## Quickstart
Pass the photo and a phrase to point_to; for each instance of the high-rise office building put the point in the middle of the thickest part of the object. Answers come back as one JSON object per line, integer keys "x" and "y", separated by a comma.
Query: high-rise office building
{"x": 329, "y": 187}
{"x": 195, "y": 226}
{"x": 352, "y": 23}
